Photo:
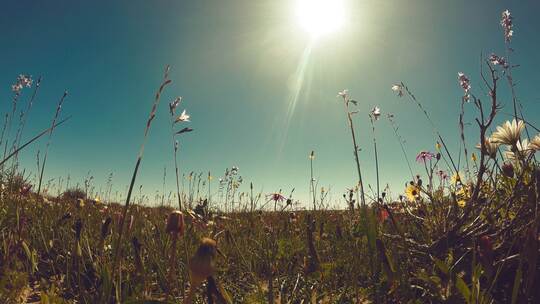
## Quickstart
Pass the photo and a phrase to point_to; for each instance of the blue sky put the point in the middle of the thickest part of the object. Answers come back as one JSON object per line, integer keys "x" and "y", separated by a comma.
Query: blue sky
{"x": 234, "y": 63}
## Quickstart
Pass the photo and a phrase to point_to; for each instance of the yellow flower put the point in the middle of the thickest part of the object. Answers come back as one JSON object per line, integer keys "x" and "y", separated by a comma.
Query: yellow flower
{"x": 456, "y": 178}
{"x": 461, "y": 203}
{"x": 413, "y": 192}
{"x": 464, "y": 192}
{"x": 438, "y": 146}
{"x": 473, "y": 157}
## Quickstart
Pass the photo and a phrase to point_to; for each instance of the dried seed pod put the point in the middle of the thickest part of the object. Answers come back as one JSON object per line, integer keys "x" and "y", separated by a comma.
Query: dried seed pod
{"x": 175, "y": 223}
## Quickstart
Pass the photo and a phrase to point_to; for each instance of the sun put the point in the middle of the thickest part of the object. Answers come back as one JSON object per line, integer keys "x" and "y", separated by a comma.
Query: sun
{"x": 320, "y": 17}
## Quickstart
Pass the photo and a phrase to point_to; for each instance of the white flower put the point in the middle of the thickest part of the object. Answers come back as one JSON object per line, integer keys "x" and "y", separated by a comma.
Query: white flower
{"x": 376, "y": 112}
{"x": 398, "y": 88}
{"x": 183, "y": 117}
{"x": 490, "y": 147}
{"x": 344, "y": 93}
{"x": 509, "y": 133}
{"x": 535, "y": 143}
{"x": 523, "y": 150}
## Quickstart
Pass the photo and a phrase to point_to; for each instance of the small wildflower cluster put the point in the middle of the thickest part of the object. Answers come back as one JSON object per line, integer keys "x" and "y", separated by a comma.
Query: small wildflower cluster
{"x": 498, "y": 60}
{"x": 507, "y": 25}
{"x": 22, "y": 82}
{"x": 465, "y": 84}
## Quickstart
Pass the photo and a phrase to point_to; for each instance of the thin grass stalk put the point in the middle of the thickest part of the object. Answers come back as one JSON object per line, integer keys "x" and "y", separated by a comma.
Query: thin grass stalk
{"x": 346, "y": 102}
{"x": 413, "y": 98}
{"x": 312, "y": 180}
{"x": 400, "y": 140}
{"x": 57, "y": 113}
{"x": 28, "y": 108}
{"x": 117, "y": 249}
{"x": 376, "y": 156}
{"x": 32, "y": 140}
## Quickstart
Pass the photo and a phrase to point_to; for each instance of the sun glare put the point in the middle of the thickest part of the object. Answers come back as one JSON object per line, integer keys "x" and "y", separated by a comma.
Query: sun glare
{"x": 320, "y": 17}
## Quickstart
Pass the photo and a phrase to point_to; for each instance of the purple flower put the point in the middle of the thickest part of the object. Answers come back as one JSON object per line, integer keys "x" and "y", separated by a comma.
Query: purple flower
{"x": 465, "y": 84}
{"x": 424, "y": 156}
{"x": 507, "y": 25}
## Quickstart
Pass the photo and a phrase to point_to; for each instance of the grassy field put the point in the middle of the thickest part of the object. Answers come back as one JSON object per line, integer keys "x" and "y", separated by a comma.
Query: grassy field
{"x": 462, "y": 232}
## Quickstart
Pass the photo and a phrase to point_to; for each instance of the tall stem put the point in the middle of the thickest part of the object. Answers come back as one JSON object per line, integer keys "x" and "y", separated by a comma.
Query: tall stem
{"x": 355, "y": 146}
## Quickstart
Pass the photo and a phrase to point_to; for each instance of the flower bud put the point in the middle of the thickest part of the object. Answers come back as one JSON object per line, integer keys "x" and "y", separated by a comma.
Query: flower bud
{"x": 175, "y": 223}
{"x": 508, "y": 169}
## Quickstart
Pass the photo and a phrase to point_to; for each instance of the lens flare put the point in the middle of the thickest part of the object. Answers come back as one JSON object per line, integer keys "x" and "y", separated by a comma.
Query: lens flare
{"x": 320, "y": 17}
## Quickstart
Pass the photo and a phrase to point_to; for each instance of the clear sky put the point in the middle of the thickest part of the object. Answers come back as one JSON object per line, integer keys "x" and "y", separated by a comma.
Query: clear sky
{"x": 234, "y": 62}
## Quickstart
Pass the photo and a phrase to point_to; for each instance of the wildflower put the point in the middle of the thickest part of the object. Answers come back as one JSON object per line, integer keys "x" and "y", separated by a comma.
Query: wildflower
{"x": 183, "y": 117}
{"x": 535, "y": 143}
{"x": 376, "y": 113}
{"x": 412, "y": 192}
{"x": 175, "y": 223}
{"x": 398, "y": 89}
{"x": 438, "y": 146}
{"x": 456, "y": 178}
{"x": 173, "y": 104}
{"x": 442, "y": 175}
{"x": 465, "y": 84}
{"x": 507, "y": 25}
{"x": 508, "y": 169}
{"x": 424, "y": 156}
{"x": 509, "y": 133}
{"x": 344, "y": 94}
{"x": 521, "y": 149}
{"x": 276, "y": 197}
{"x": 463, "y": 192}
{"x": 312, "y": 155}
{"x": 497, "y": 60}
{"x": 22, "y": 81}
{"x": 490, "y": 147}
{"x": 473, "y": 157}
{"x": 461, "y": 203}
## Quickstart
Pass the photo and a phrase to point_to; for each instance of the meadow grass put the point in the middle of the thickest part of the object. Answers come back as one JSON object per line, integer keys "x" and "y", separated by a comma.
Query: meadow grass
{"x": 449, "y": 238}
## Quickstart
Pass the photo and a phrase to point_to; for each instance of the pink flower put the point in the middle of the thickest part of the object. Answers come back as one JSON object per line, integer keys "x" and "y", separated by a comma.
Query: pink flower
{"x": 276, "y": 197}
{"x": 507, "y": 25}
{"x": 424, "y": 156}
